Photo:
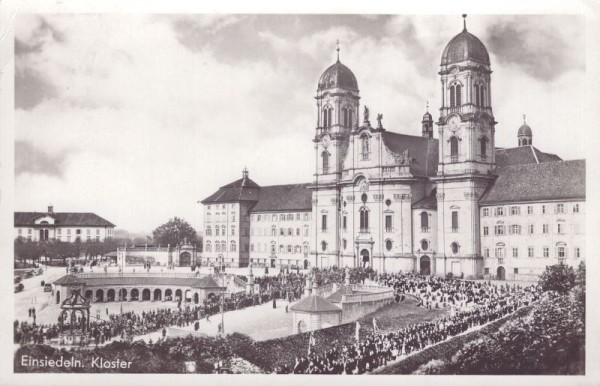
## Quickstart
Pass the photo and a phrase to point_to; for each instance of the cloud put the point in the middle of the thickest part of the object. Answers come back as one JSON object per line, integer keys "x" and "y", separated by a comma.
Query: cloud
{"x": 544, "y": 49}
{"x": 35, "y": 160}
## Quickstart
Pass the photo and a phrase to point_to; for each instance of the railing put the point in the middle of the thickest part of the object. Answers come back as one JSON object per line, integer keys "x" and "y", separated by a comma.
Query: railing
{"x": 425, "y": 229}
{"x": 389, "y": 229}
{"x": 364, "y": 230}
{"x": 454, "y": 229}
{"x": 137, "y": 274}
{"x": 453, "y": 158}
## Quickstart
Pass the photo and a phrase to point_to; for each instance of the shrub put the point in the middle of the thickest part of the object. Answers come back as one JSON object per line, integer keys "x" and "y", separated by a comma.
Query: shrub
{"x": 433, "y": 367}
{"x": 43, "y": 283}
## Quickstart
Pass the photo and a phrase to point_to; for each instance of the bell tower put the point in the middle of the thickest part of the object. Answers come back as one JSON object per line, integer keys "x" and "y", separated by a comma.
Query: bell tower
{"x": 466, "y": 152}
{"x": 337, "y": 114}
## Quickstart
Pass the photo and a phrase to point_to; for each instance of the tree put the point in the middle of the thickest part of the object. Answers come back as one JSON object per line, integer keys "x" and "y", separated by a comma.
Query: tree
{"x": 174, "y": 232}
{"x": 580, "y": 283}
{"x": 559, "y": 278}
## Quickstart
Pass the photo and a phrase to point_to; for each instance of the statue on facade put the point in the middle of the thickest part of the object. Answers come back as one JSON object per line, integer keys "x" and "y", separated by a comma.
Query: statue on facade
{"x": 379, "y": 118}
{"x": 405, "y": 158}
{"x": 366, "y": 115}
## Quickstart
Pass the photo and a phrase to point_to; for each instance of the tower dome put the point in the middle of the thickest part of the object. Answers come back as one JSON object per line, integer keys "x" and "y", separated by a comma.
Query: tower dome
{"x": 465, "y": 46}
{"x": 338, "y": 76}
{"x": 525, "y": 130}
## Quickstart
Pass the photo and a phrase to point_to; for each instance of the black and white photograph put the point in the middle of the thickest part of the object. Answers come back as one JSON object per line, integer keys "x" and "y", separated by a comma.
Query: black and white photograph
{"x": 298, "y": 193}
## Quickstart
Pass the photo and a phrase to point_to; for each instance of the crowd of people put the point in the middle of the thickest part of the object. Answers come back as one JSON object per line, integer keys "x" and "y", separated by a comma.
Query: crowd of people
{"x": 474, "y": 304}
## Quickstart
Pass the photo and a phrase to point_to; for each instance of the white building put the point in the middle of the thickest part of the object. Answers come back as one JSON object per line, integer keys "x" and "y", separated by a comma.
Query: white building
{"x": 412, "y": 203}
{"x": 62, "y": 226}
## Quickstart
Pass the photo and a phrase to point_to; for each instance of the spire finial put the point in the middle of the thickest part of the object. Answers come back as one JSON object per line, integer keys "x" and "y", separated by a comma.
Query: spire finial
{"x": 524, "y": 121}
{"x": 338, "y": 50}
{"x": 245, "y": 172}
{"x": 464, "y": 21}
{"x": 428, "y": 105}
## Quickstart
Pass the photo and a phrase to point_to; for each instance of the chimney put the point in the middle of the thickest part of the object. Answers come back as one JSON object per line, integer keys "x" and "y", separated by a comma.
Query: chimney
{"x": 50, "y": 209}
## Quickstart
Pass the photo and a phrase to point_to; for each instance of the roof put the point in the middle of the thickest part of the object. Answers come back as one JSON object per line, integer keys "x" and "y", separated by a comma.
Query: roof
{"x": 522, "y": 155}
{"x": 284, "y": 198}
{"x": 537, "y": 182}
{"x": 243, "y": 189}
{"x": 426, "y": 203}
{"x": 336, "y": 297}
{"x": 338, "y": 76}
{"x": 465, "y": 46}
{"x": 314, "y": 303}
{"x": 423, "y": 151}
{"x": 203, "y": 282}
{"x": 63, "y": 219}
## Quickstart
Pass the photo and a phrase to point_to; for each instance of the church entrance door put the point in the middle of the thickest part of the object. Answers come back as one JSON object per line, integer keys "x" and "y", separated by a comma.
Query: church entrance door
{"x": 364, "y": 254}
{"x": 425, "y": 265}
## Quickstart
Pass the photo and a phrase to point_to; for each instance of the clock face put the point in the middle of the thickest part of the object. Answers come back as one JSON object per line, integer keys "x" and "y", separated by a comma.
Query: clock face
{"x": 454, "y": 123}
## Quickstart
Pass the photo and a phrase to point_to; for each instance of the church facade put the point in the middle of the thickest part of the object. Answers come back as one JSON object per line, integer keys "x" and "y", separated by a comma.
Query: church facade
{"x": 455, "y": 203}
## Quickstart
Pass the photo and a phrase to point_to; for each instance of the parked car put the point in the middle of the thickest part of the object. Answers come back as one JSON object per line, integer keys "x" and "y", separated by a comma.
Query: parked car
{"x": 39, "y": 271}
{"x": 19, "y": 287}
{"x": 28, "y": 274}
{"x": 47, "y": 287}
{"x": 18, "y": 279}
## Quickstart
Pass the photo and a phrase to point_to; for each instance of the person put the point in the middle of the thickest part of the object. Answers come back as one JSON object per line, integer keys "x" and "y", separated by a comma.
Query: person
{"x": 164, "y": 333}
{"x": 208, "y": 317}
{"x": 286, "y": 309}
{"x": 196, "y": 326}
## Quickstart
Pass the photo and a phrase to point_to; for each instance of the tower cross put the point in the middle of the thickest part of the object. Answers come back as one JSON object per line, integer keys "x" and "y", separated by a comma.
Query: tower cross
{"x": 464, "y": 21}
{"x": 338, "y": 49}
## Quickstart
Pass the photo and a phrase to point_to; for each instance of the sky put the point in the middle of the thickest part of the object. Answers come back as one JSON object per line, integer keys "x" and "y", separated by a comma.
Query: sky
{"x": 138, "y": 117}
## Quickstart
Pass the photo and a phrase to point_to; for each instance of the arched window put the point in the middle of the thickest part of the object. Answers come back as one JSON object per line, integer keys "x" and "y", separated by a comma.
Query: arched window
{"x": 233, "y": 230}
{"x": 454, "y": 247}
{"x": 481, "y": 96}
{"x": 217, "y": 230}
{"x": 477, "y": 100}
{"x": 329, "y": 114}
{"x": 424, "y": 245}
{"x": 233, "y": 247}
{"x": 325, "y": 118}
{"x": 454, "y": 149}
{"x": 325, "y": 156}
{"x": 483, "y": 146}
{"x": 424, "y": 221}
{"x": 388, "y": 245}
{"x": 458, "y": 95}
{"x": 324, "y": 245}
{"x": 349, "y": 118}
{"x": 217, "y": 247}
{"x": 208, "y": 247}
{"x": 208, "y": 231}
{"x": 273, "y": 230}
{"x": 364, "y": 142}
{"x": 364, "y": 220}
{"x": 452, "y": 97}
{"x": 345, "y": 117}
{"x": 223, "y": 246}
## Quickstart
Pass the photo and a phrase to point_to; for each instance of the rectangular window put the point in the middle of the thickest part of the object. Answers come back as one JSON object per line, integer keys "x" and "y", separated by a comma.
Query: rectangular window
{"x": 561, "y": 252}
{"x": 281, "y": 232}
{"x": 499, "y": 230}
{"x": 560, "y": 228}
{"x": 251, "y": 247}
{"x": 529, "y": 209}
{"x": 576, "y": 208}
{"x": 529, "y": 251}
{"x": 297, "y": 231}
{"x": 500, "y": 252}
{"x": 486, "y": 271}
{"x": 388, "y": 223}
{"x": 546, "y": 252}
{"x": 324, "y": 223}
{"x": 21, "y": 230}
{"x": 273, "y": 249}
{"x": 545, "y": 228}
{"x": 515, "y": 210}
{"x": 88, "y": 231}
{"x": 486, "y": 231}
{"x": 560, "y": 208}
{"x": 281, "y": 249}
{"x": 499, "y": 211}
{"x": 515, "y": 252}
{"x": 454, "y": 221}
{"x": 530, "y": 229}
{"x": 515, "y": 229}
{"x": 289, "y": 249}
{"x": 543, "y": 209}
{"x": 486, "y": 252}
{"x": 577, "y": 252}
{"x": 252, "y": 218}
{"x": 516, "y": 271}
{"x": 297, "y": 216}
{"x": 486, "y": 212}
{"x": 306, "y": 231}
